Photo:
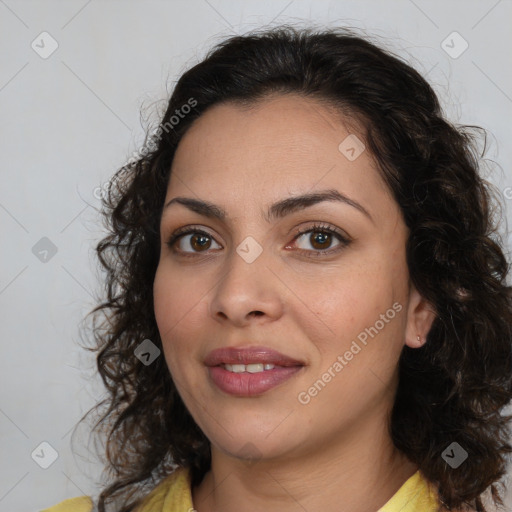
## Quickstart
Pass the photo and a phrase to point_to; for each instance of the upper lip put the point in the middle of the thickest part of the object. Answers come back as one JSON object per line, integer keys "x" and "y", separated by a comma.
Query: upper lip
{"x": 248, "y": 355}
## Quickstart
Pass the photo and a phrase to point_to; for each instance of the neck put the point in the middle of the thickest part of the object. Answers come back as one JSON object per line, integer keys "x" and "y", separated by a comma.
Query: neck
{"x": 360, "y": 469}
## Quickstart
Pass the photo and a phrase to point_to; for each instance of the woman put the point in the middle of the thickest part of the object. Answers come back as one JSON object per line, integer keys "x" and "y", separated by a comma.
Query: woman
{"x": 307, "y": 302}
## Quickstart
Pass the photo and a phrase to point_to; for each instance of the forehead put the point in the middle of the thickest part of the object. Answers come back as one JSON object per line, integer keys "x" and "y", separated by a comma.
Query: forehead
{"x": 282, "y": 145}
{"x": 286, "y": 126}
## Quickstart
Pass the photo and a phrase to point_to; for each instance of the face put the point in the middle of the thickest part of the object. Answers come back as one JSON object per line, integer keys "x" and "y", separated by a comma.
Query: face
{"x": 325, "y": 284}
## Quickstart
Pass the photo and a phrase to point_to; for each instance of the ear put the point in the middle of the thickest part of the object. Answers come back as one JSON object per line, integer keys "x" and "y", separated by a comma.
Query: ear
{"x": 420, "y": 316}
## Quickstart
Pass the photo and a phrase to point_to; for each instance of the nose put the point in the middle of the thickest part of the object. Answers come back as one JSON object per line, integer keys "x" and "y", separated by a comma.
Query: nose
{"x": 246, "y": 292}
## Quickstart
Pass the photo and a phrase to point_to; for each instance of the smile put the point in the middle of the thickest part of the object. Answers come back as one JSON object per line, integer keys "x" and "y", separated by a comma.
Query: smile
{"x": 250, "y": 380}
{"x": 250, "y": 368}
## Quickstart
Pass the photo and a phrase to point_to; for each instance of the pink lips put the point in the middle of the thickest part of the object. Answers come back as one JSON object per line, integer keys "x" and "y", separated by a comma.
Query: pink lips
{"x": 250, "y": 384}
{"x": 233, "y": 355}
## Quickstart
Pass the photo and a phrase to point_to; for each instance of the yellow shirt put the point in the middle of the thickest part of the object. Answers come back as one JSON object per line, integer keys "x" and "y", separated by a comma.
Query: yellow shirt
{"x": 174, "y": 494}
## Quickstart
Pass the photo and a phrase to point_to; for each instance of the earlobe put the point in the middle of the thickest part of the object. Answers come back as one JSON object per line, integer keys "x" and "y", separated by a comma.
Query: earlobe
{"x": 420, "y": 316}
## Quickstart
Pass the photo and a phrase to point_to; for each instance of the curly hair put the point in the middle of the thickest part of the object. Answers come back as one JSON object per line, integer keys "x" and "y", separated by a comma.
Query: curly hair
{"x": 452, "y": 389}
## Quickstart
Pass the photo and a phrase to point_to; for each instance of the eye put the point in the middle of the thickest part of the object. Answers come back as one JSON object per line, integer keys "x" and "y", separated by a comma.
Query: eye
{"x": 320, "y": 238}
{"x": 198, "y": 240}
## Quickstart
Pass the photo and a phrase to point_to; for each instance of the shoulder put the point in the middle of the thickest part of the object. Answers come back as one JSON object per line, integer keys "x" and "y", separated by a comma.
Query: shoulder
{"x": 173, "y": 491}
{"x": 80, "y": 504}
{"x": 415, "y": 494}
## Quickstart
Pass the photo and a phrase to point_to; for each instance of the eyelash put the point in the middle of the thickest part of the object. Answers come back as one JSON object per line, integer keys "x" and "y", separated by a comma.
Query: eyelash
{"x": 321, "y": 228}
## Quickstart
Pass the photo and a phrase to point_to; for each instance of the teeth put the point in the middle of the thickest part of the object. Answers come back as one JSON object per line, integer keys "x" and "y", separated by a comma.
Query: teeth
{"x": 250, "y": 368}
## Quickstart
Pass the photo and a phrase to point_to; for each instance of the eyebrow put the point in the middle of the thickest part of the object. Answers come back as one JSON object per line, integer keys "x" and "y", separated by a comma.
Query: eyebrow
{"x": 277, "y": 210}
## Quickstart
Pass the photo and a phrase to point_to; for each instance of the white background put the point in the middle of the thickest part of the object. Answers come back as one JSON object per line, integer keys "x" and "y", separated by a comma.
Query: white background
{"x": 70, "y": 120}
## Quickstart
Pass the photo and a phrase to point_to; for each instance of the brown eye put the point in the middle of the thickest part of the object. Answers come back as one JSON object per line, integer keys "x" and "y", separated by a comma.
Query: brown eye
{"x": 197, "y": 242}
{"x": 318, "y": 240}
{"x": 321, "y": 240}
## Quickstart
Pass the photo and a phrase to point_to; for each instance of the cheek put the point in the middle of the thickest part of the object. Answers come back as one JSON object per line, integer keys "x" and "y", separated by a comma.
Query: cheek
{"x": 347, "y": 305}
{"x": 165, "y": 304}
{"x": 179, "y": 312}
{"x": 175, "y": 297}
{"x": 343, "y": 301}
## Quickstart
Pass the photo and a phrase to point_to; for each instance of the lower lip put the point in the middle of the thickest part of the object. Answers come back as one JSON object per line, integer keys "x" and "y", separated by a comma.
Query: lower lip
{"x": 250, "y": 384}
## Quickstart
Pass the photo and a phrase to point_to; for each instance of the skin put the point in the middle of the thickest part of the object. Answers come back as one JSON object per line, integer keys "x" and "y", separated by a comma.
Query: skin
{"x": 309, "y": 308}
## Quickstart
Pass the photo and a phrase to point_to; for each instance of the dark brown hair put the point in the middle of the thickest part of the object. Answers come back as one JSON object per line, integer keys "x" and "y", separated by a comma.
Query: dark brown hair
{"x": 453, "y": 389}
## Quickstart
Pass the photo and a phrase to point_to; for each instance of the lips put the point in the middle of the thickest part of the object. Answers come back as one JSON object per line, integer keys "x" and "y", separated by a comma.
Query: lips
{"x": 249, "y": 355}
{"x": 252, "y": 380}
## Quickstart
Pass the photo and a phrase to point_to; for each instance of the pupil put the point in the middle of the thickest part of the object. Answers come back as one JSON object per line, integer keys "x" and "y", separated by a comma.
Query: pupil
{"x": 321, "y": 239}
{"x": 200, "y": 241}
